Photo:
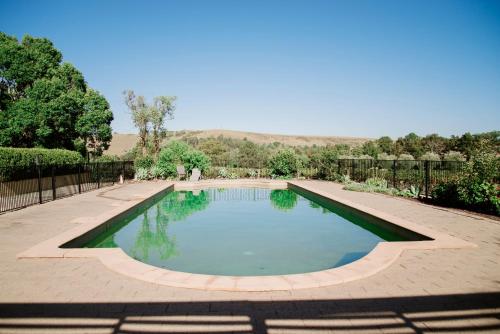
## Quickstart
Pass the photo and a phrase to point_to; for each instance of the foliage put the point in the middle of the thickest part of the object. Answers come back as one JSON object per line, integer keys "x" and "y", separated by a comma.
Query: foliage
{"x": 385, "y": 156}
{"x": 284, "y": 163}
{"x": 371, "y": 186}
{"x": 413, "y": 192}
{"x": 376, "y": 182}
{"x": 93, "y": 126}
{"x": 107, "y": 158}
{"x": 163, "y": 108}
{"x": 431, "y": 156}
{"x": 475, "y": 189}
{"x": 196, "y": 159}
{"x": 144, "y": 162}
{"x": 25, "y": 157}
{"x": 142, "y": 173}
{"x": 283, "y": 199}
{"x": 405, "y": 157}
{"x": 150, "y": 117}
{"x": 46, "y": 103}
{"x": 141, "y": 116}
{"x": 453, "y": 156}
{"x": 179, "y": 153}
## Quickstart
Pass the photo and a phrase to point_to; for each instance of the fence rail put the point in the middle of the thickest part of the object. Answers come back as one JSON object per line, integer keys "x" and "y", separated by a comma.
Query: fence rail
{"x": 36, "y": 184}
{"x": 399, "y": 174}
{"x": 21, "y": 187}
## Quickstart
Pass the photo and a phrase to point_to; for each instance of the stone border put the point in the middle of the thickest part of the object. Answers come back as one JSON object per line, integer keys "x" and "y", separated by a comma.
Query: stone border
{"x": 383, "y": 255}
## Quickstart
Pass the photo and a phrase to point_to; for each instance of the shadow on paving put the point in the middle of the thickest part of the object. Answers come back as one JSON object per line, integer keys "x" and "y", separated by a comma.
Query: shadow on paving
{"x": 479, "y": 312}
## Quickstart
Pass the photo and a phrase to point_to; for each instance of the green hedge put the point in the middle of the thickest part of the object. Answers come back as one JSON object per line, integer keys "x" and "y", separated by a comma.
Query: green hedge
{"x": 24, "y": 157}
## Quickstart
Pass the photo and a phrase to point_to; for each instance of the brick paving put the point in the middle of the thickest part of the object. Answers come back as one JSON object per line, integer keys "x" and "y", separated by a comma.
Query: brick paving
{"x": 442, "y": 290}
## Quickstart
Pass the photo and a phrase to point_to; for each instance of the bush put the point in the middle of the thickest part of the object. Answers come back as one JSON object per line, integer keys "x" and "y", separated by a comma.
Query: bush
{"x": 376, "y": 182}
{"x": 196, "y": 159}
{"x": 284, "y": 163}
{"x": 461, "y": 193}
{"x": 144, "y": 162}
{"x": 142, "y": 173}
{"x": 405, "y": 157}
{"x": 430, "y": 156}
{"x": 107, "y": 158}
{"x": 475, "y": 189}
{"x": 385, "y": 156}
{"x": 453, "y": 156}
{"x": 25, "y": 157}
{"x": 179, "y": 153}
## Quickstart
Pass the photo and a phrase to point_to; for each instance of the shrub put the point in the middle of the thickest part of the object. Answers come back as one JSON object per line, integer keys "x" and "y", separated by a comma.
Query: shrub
{"x": 196, "y": 159}
{"x": 142, "y": 173}
{"x": 475, "y": 189}
{"x": 461, "y": 193}
{"x": 404, "y": 157}
{"x": 25, "y": 157}
{"x": 107, "y": 158}
{"x": 376, "y": 182}
{"x": 453, "y": 156}
{"x": 385, "y": 156}
{"x": 430, "y": 156}
{"x": 144, "y": 162}
{"x": 179, "y": 153}
{"x": 170, "y": 157}
{"x": 284, "y": 163}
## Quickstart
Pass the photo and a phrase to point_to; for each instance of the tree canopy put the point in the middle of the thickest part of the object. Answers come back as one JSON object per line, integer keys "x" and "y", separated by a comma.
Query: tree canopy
{"x": 45, "y": 102}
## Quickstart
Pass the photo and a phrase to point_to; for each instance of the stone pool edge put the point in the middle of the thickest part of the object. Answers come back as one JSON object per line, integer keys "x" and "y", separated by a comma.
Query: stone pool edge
{"x": 382, "y": 256}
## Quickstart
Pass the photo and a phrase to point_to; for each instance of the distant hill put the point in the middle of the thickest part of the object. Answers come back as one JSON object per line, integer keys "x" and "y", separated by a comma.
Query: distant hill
{"x": 122, "y": 143}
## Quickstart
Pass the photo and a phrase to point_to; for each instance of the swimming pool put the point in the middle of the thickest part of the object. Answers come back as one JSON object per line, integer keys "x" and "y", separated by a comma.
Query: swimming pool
{"x": 246, "y": 232}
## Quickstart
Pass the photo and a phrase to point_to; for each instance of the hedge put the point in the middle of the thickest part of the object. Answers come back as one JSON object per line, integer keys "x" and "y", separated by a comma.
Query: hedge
{"x": 24, "y": 157}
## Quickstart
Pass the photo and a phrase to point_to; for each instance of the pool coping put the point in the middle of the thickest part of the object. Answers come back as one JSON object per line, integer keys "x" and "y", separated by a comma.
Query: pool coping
{"x": 382, "y": 256}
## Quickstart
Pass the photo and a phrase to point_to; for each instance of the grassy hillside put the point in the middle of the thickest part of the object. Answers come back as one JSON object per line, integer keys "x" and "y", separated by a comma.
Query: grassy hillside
{"x": 121, "y": 143}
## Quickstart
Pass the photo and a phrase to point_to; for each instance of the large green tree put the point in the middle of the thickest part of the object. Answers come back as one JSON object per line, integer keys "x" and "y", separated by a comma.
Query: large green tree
{"x": 45, "y": 102}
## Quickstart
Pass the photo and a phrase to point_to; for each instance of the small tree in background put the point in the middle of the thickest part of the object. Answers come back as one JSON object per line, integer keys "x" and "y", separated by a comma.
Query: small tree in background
{"x": 140, "y": 116}
{"x": 162, "y": 110}
{"x": 150, "y": 117}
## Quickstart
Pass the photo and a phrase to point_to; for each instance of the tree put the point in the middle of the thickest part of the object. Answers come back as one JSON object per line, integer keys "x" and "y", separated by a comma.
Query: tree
{"x": 150, "y": 117}
{"x": 92, "y": 126}
{"x": 47, "y": 103}
{"x": 386, "y": 145}
{"x": 162, "y": 109}
{"x": 140, "y": 116}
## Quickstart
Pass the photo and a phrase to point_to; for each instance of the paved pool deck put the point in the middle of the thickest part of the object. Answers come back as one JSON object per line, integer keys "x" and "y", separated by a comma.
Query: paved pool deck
{"x": 438, "y": 290}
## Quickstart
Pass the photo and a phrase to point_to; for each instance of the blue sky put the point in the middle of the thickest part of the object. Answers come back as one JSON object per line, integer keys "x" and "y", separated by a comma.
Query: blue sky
{"x": 350, "y": 68}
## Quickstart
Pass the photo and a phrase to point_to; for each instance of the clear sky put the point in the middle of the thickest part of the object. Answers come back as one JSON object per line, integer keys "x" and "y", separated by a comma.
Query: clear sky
{"x": 354, "y": 68}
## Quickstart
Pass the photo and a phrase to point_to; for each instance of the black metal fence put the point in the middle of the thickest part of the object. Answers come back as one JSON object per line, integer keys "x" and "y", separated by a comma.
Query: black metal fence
{"x": 399, "y": 174}
{"x": 21, "y": 187}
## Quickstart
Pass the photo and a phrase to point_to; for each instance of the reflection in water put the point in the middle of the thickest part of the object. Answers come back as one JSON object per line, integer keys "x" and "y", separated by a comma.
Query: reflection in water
{"x": 179, "y": 205}
{"x": 283, "y": 199}
{"x": 153, "y": 236}
{"x": 153, "y": 233}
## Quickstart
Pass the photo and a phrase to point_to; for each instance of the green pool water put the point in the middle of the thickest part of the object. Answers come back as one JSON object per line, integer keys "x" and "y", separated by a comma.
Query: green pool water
{"x": 244, "y": 232}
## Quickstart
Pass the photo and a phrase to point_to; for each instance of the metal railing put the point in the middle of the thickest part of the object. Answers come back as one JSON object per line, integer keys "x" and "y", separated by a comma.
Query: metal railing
{"x": 399, "y": 174}
{"x": 36, "y": 184}
{"x": 21, "y": 187}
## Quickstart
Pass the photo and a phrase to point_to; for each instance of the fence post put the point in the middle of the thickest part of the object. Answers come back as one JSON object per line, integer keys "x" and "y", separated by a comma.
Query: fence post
{"x": 394, "y": 162}
{"x": 338, "y": 166}
{"x": 54, "y": 195}
{"x": 39, "y": 167}
{"x": 98, "y": 175}
{"x": 427, "y": 177}
{"x": 113, "y": 172}
{"x": 352, "y": 169}
{"x": 79, "y": 178}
